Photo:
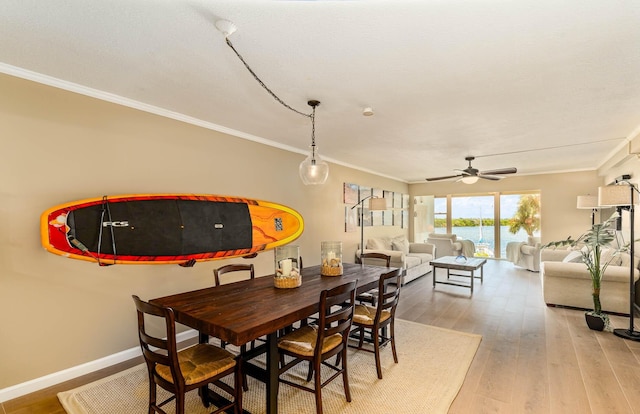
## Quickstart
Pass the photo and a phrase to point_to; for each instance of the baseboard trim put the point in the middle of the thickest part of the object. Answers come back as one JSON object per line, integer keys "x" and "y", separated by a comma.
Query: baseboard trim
{"x": 55, "y": 378}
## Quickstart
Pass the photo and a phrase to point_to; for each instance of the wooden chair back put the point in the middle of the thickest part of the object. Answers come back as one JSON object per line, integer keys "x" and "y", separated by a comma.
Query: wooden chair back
{"x": 388, "y": 293}
{"x": 232, "y": 268}
{"x": 379, "y": 256}
{"x": 336, "y": 315}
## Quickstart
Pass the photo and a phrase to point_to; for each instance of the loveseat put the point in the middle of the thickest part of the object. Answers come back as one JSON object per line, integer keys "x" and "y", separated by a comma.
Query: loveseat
{"x": 414, "y": 258}
{"x": 567, "y": 282}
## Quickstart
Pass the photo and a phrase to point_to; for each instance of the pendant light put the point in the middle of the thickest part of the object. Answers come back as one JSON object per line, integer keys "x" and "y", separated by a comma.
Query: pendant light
{"x": 313, "y": 170}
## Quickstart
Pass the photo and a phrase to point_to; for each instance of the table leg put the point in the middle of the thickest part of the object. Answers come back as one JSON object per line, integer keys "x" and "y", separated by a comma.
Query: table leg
{"x": 273, "y": 367}
{"x": 482, "y": 274}
{"x": 434, "y": 276}
{"x": 472, "y": 281}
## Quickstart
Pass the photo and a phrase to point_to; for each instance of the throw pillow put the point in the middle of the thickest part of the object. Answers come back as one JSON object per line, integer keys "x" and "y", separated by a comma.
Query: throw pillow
{"x": 573, "y": 257}
{"x": 376, "y": 244}
{"x": 400, "y": 244}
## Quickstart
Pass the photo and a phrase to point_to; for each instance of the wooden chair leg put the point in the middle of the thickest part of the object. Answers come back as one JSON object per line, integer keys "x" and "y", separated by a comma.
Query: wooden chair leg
{"x": 152, "y": 395}
{"x": 376, "y": 347}
{"x": 180, "y": 403}
{"x": 345, "y": 375}
{"x": 310, "y": 373}
{"x": 393, "y": 342}
{"x": 318, "y": 387}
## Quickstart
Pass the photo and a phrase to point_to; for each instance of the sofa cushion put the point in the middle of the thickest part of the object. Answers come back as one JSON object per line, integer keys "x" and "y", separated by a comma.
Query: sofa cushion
{"x": 400, "y": 243}
{"x": 573, "y": 257}
{"x": 412, "y": 261}
{"x": 424, "y": 257}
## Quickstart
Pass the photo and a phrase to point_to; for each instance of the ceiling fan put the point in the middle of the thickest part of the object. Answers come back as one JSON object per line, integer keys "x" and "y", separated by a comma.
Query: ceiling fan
{"x": 470, "y": 175}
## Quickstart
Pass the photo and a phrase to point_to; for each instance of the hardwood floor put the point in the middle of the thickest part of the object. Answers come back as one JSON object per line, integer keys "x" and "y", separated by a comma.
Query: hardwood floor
{"x": 532, "y": 359}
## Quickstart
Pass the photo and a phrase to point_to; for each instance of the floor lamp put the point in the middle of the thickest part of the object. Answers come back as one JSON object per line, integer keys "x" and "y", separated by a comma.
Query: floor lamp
{"x": 589, "y": 202}
{"x": 623, "y": 196}
{"x": 375, "y": 204}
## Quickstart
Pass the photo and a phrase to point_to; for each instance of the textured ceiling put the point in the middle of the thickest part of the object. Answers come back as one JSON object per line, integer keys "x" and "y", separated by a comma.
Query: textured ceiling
{"x": 543, "y": 86}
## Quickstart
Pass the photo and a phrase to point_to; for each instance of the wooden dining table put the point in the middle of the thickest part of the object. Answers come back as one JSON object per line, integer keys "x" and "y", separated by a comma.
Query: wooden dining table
{"x": 243, "y": 311}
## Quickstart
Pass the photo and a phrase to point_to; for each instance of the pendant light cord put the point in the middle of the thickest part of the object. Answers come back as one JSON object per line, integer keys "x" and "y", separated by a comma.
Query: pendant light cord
{"x": 269, "y": 90}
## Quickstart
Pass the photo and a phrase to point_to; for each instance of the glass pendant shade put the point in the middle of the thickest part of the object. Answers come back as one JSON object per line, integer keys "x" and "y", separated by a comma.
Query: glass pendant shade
{"x": 313, "y": 170}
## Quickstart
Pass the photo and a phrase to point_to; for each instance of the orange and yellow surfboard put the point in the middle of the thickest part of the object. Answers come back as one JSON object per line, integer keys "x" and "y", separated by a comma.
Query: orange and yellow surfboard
{"x": 166, "y": 228}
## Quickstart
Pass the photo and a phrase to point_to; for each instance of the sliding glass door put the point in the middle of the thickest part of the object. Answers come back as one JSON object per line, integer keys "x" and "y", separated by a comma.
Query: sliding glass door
{"x": 489, "y": 220}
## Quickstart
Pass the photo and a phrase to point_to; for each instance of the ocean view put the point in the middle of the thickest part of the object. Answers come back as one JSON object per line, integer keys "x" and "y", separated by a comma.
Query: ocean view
{"x": 473, "y": 234}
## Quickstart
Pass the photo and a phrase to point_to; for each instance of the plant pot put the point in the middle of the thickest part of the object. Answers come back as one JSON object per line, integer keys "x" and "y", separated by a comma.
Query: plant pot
{"x": 596, "y": 322}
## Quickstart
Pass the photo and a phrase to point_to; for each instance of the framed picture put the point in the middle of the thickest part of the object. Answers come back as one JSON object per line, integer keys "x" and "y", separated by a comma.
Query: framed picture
{"x": 350, "y": 193}
{"x": 387, "y": 218}
{"x": 397, "y": 218}
{"x": 388, "y": 197}
{"x": 350, "y": 219}
{"x": 397, "y": 200}
{"x": 405, "y": 219}
{"x": 366, "y": 217}
{"x": 364, "y": 192}
{"x": 377, "y": 217}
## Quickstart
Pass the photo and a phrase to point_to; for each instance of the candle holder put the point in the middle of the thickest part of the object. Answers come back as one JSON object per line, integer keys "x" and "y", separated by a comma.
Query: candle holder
{"x": 287, "y": 267}
{"x": 331, "y": 258}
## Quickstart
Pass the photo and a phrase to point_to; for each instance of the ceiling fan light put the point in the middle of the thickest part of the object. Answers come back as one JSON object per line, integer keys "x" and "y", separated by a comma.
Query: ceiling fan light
{"x": 470, "y": 179}
{"x": 313, "y": 170}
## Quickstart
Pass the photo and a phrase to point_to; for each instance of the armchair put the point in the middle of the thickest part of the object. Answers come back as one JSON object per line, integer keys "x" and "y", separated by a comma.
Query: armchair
{"x": 525, "y": 254}
{"x": 446, "y": 244}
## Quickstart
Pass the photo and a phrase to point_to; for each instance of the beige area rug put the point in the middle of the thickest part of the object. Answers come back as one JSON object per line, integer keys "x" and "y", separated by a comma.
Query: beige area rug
{"x": 433, "y": 363}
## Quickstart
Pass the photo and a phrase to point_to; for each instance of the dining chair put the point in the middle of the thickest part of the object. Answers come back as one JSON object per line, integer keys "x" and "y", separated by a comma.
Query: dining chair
{"x": 182, "y": 371}
{"x": 379, "y": 321}
{"x": 318, "y": 343}
{"x": 370, "y": 296}
{"x": 232, "y": 268}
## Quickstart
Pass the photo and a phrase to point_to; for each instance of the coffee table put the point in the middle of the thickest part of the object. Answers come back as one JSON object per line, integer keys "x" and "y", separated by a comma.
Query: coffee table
{"x": 459, "y": 263}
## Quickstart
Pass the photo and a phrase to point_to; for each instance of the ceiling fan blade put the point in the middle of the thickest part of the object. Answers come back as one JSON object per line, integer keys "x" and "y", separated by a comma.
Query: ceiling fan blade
{"x": 446, "y": 177}
{"x": 511, "y": 170}
{"x": 490, "y": 177}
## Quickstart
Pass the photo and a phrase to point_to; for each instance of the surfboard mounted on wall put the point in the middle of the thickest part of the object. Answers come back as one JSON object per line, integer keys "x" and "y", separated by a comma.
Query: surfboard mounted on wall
{"x": 166, "y": 228}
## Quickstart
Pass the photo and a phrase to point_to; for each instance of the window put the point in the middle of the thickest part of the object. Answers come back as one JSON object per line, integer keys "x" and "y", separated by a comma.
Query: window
{"x": 489, "y": 220}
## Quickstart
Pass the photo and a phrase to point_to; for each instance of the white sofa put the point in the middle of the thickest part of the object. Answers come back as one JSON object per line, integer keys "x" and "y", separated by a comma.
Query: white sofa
{"x": 414, "y": 258}
{"x": 568, "y": 283}
{"x": 525, "y": 254}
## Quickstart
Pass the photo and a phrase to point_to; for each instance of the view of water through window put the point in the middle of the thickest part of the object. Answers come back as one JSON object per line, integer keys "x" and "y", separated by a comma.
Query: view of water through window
{"x": 472, "y": 218}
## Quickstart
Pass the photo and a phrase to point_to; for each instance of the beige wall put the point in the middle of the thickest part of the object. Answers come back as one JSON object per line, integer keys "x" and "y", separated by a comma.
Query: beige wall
{"x": 558, "y": 193}
{"x": 57, "y": 146}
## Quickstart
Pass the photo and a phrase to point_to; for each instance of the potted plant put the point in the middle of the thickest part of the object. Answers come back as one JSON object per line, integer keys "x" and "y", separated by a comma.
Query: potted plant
{"x": 591, "y": 244}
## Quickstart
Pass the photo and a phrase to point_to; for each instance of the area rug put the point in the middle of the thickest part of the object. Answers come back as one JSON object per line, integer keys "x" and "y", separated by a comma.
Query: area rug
{"x": 433, "y": 363}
